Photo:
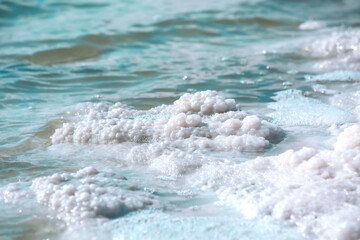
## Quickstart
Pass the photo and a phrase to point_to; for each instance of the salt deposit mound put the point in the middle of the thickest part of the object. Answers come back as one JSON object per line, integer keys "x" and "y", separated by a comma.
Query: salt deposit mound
{"x": 200, "y": 120}
{"x": 316, "y": 190}
{"x": 86, "y": 194}
{"x": 340, "y": 50}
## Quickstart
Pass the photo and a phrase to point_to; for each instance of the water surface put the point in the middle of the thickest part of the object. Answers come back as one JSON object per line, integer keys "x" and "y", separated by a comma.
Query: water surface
{"x": 56, "y": 55}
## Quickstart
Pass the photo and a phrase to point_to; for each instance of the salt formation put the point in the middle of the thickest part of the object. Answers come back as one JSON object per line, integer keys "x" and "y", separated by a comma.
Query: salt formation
{"x": 14, "y": 193}
{"x": 162, "y": 226}
{"x": 316, "y": 190}
{"x": 182, "y": 157}
{"x": 166, "y": 160}
{"x": 345, "y": 76}
{"x": 199, "y": 120}
{"x": 342, "y": 42}
{"x": 349, "y": 139}
{"x": 205, "y": 103}
{"x": 293, "y": 109}
{"x": 311, "y": 25}
{"x": 341, "y": 50}
{"x": 88, "y": 194}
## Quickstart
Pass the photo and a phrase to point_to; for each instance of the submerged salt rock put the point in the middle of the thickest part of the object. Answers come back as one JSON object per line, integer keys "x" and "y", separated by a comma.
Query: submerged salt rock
{"x": 199, "y": 117}
{"x": 88, "y": 194}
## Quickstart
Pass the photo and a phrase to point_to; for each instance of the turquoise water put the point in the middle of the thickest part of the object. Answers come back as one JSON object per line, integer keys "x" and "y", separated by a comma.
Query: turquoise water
{"x": 57, "y": 54}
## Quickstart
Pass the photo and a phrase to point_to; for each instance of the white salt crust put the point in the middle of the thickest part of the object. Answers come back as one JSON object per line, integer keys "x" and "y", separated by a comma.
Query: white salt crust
{"x": 316, "y": 190}
{"x": 340, "y": 50}
{"x": 338, "y": 43}
{"x": 87, "y": 194}
{"x": 344, "y": 76}
{"x": 348, "y": 139}
{"x": 151, "y": 225}
{"x": 311, "y": 25}
{"x": 293, "y": 109}
{"x": 203, "y": 119}
{"x": 15, "y": 192}
{"x": 178, "y": 158}
{"x": 348, "y": 99}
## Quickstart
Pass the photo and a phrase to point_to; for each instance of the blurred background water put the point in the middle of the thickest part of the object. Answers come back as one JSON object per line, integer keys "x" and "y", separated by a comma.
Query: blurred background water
{"x": 55, "y": 54}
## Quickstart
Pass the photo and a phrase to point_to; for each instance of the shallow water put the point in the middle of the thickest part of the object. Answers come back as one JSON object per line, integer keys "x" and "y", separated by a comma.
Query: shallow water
{"x": 294, "y": 64}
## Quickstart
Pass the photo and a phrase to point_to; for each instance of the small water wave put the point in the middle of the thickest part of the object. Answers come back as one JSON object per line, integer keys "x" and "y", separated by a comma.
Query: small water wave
{"x": 63, "y": 55}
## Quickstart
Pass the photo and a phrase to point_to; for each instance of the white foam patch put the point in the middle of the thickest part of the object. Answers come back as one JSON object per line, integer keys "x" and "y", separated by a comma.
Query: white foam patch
{"x": 316, "y": 190}
{"x": 293, "y": 109}
{"x": 344, "y": 76}
{"x": 86, "y": 194}
{"x": 194, "y": 118}
{"x": 312, "y": 25}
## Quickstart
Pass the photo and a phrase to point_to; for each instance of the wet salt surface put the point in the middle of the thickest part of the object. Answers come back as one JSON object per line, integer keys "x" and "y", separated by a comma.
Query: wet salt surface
{"x": 289, "y": 187}
{"x": 218, "y": 120}
{"x": 82, "y": 195}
